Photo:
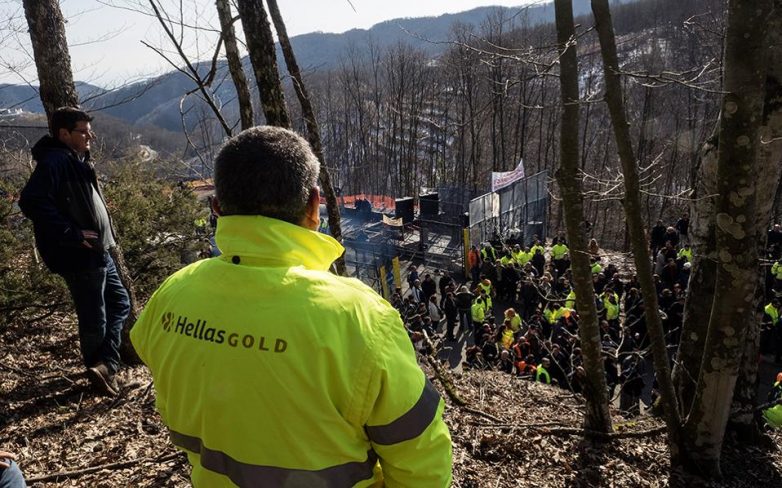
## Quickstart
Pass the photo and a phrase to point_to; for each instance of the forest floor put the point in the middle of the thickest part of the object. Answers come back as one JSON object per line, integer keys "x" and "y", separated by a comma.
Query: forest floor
{"x": 513, "y": 433}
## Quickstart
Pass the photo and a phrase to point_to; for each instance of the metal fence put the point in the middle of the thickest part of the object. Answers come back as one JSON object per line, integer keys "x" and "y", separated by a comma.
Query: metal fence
{"x": 519, "y": 211}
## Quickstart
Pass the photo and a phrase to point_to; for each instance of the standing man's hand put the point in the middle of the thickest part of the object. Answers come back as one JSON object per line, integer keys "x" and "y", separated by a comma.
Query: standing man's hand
{"x": 88, "y": 235}
{"x": 4, "y": 457}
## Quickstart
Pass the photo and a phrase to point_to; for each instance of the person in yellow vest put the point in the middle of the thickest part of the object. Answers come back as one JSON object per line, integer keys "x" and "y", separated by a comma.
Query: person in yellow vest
{"x": 773, "y": 414}
{"x": 772, "y": 322}
{"x": 518, "y": 255}
{"x": 685, "y": 254}
{"x": 514, "y": 320}
{"x": 776, "y": 272}
{"x": 478, "y": 313}
{"x": 559, "y": 253}
{"x": 597, "y": 268}
{"x": 488, "y": 253}
{"x": 506, "y": 336}
{"x": 552, "y": 312}
{"x": 487, "y": 287}
{"x": 611, "y": 307}
{"x": 570, "y": 300}
{"x": 488, "y": 304}
{"x": 541, "y": 373}
{"x": 506, "y": 259}
{"x": 537, "y": 247}
{"x": 562, "y": 313}
{"x": 271, "y": 371}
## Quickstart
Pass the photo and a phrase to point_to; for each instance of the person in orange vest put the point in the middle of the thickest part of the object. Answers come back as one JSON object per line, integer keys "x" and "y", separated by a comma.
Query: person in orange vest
{"x": 474, "y": 264}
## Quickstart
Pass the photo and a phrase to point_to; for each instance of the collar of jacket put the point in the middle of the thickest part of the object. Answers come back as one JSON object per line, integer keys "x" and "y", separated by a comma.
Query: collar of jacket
{"x": 272, "y": 242}
{"x": 49, "y": 143}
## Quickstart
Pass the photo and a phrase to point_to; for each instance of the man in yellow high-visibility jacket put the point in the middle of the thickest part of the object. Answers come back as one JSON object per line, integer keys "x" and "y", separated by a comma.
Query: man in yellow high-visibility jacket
{"x": 271, "y": 371}
{"x": 771, "y": 319}
{"x": 773, "y": 414}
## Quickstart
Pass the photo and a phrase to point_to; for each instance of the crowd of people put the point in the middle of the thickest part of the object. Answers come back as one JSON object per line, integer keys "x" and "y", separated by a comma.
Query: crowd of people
{"x": 517, "y": 311}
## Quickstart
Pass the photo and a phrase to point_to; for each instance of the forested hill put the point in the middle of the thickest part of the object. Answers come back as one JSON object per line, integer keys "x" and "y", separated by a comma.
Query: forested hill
{"x": 156, "y": 101}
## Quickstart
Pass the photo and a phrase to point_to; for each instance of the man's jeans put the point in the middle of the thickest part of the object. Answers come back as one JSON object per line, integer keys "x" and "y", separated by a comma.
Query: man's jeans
{"x": 102, "y": 305}
{"x": 11, "y": 477}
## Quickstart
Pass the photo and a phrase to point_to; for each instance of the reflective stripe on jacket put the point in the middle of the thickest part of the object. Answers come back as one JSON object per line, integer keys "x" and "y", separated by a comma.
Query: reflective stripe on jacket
{"x": 271, "y": 371}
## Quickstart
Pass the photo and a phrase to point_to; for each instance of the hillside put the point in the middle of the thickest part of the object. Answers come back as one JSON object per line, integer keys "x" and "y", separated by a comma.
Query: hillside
{"x": 156, "y": 101}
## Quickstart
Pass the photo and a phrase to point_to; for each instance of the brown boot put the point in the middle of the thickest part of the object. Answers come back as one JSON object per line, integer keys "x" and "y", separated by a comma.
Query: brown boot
{"x": 102, "y": 380}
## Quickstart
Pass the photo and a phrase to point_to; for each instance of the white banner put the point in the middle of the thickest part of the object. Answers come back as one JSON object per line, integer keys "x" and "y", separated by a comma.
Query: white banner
{"x": 505, "y": 178}
{"x": 392, "y": 222}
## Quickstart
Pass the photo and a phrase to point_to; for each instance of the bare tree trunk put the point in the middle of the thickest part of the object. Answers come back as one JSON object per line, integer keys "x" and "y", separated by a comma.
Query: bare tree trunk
{"x": 50, "y": 50}
{"x": 235, "y": 63}
{"x": 768, "y": 182}
{"x": 736, "y": 232}
{"x": 769, "y": 174}
{"x": 260, "y": 47}
{"x": 632, "y": 205}
{"x": 597, "y": 417}
{"x": 313, "y": 130}
{"x": 700, "y": 291}
{"x": 53, "y": 61}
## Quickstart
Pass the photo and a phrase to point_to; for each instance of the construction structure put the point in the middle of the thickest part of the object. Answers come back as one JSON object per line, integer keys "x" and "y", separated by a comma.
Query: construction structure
{"x": 437, "y": 228}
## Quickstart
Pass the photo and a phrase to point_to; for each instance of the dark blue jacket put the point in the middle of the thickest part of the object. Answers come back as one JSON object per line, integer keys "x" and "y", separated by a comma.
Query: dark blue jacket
{"x": 58, "y": 199}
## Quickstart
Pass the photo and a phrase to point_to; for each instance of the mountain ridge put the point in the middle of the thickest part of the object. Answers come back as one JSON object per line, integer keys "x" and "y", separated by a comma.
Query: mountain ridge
{"x": 156, "y": 101}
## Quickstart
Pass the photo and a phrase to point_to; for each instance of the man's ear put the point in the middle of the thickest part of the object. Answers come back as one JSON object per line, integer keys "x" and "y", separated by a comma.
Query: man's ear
{"x": 312, "y": 214}
{"x": 62, "y": 134}
{"x": 216, "y": 206}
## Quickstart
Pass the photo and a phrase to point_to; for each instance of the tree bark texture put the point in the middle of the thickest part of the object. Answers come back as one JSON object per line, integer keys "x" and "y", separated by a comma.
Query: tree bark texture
{"x": 235, "y": 63}
{"x": 632, "y": 205}
{"x": 597, "y": 417}
{"x": 736, "y": 232}
{"x": 50, "y": 50}
{"x": 260, "y": 47}
{"x": 313, "y": 131}
{"x": 53, "y": 62}
{"x": 703, "y": 274}
{"x": 768, "y": 179}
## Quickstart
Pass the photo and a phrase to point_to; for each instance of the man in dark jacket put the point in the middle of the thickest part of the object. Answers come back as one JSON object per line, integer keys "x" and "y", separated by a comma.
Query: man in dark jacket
{"x": 451, "y": 314}
{"x": 429, "y": 287}
{"x": 464, "y": 300}
{"x": 73, "y": 234}
{"x": 657, "y": 237}
{"x": 683, "y": 228}
{"x": 442, "y": 285}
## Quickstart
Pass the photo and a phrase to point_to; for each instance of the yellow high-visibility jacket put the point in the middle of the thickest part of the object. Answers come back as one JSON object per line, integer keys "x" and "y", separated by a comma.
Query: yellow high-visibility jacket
{"x": 685, "y": 253}
{"x": 271, "y": 371}
{"x": 558, "y": 251}
{"x": 515, "y": 323}
{"x": 478, "y": 311}
{"x": 772, "y": 312}
{"x": 570, "y": 300}
{"x": 612, "y": 309}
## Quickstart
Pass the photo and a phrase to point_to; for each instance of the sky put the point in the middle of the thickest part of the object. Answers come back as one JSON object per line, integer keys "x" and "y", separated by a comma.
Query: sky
{"x": 105, "y": 36}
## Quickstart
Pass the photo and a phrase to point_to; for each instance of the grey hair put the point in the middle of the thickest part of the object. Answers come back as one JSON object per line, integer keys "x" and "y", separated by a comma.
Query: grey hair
{"x": 267, "y": 171}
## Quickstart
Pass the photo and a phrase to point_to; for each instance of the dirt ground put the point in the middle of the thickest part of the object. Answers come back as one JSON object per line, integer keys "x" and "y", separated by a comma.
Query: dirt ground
{"x": 513, "y": 433}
